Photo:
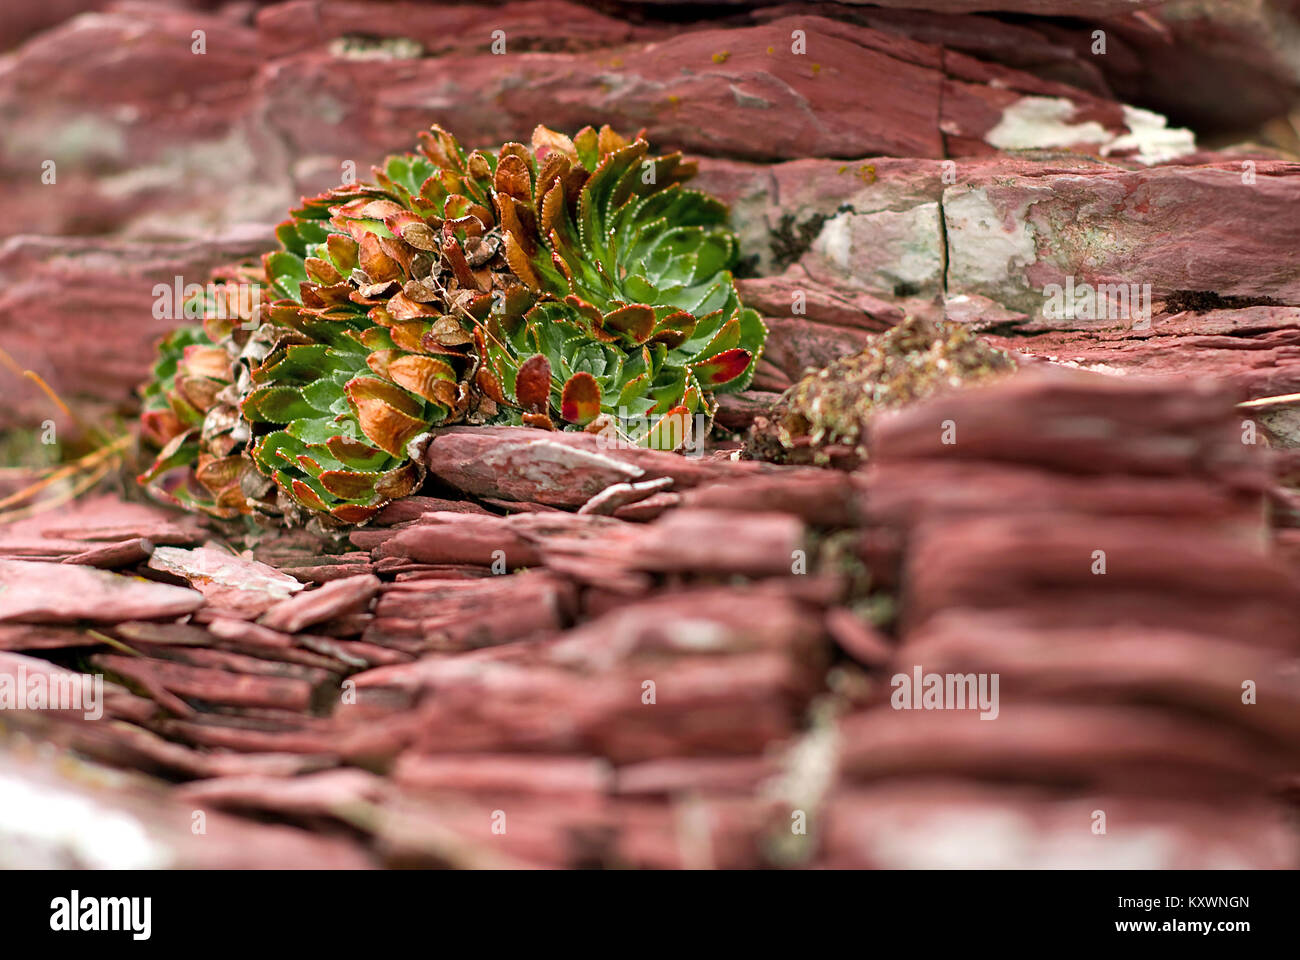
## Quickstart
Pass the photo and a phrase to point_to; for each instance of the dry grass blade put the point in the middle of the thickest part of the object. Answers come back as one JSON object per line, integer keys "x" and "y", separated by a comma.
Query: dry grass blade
{"x": 82, "y": 474}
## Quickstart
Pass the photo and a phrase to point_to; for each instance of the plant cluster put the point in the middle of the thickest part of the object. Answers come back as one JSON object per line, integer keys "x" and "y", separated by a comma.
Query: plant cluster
{"x": 572, "y": 284}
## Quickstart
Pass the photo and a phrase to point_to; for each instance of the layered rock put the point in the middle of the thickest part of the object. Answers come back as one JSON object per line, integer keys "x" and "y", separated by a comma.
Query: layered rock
{"x": 217, "y": 144}
{"x": 1097, "y": 548}
{"x": 707, "y": 659}
{"x": 622, "y": 657}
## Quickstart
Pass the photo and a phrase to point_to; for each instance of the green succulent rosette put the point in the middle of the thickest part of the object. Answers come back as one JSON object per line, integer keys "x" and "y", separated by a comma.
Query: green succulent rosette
{"x": 637, "y": 315}
{"x": 573, "y": 285}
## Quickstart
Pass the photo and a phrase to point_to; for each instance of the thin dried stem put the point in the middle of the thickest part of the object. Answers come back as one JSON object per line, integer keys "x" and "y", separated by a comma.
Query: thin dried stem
{"x": 49, "y": 392}
{"x": 92, "y": 459}
{"x": 1278, "y": 400}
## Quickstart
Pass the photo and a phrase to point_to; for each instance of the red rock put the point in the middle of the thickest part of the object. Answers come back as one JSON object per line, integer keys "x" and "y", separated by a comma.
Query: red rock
{"x": 182, "y": 118}
{"x": 818, "y": 497}
{"x": 241, "y": 587}
{"x": 108, "y": 519}
{"x": 1046, "y": 741}
{"x": 211, "y": 734}
{"x": 353, "y": 566}
{"x": 349, "y": 625}
{"x": 126, "y": 553}
{"x": 141, "y": 827}
{"x": 211, "y": 686}
{"x": 32, "y": 684}
{"x": 559, "y": 469}
{"x": 716, "y": 103}
{"x": 334, "y": 599}
{"x": 1250, "y": 349}
{"x": 1200, "y": 674}
{"x": 81, "y": 525}
{"x": 134, "y": 748}
{"x": 798, "y": 347}
{"x": 1150, "y": 219}
{"x": 649, "y": 508}
{"x": 701, "y": 621}
{"x": 518, "y": 506}
{"x": 439, "y": 30}
{"x": 1156, "y": 573}
{"x": 412, "y": 508}
{"x": 462, "y": 615}
{"x": 694, "y": 774}
{"x": 27, "y": 17}
{"x": 354, "y": 653}
{"x": 952, "y": 824}
{"x": 858, "y": 638}
{"x": 711, "y": 832}
{"x": 504, "y": 775}
{"x": 1191, "y": 59}
{"x": 1086, "y": 424}
{"x": 458, "y": 538}
{"x": 19, "y": 547}
{"x": 548, "y": 470}
{"x": 259, "y": 641}
{"x": 714, "y": 708}
{"x": 23, "y": 636}
{"x": 322, "y": 794}
{"x": 904, "y": 492}
{"x": 239, "y": 663}
{"x": 456, "y": 832}
{"x": 406, "y": 571}
{"x": 59, "y": 593}
{"x": 736, "y": 411}
{"x": 618, "y": 495}
{"x": 850, "y": 312}
{"x": 1042, "y": 8}
{"x": 41, "y": 279}
{"x": 724, "y": 685}
{"x": 720, "y": 542}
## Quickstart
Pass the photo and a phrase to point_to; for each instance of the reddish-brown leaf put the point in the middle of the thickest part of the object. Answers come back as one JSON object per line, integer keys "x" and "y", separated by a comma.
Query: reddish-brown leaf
{"x": 725, "y": 367}
{"x": 580, "y": 401}
{"x": 389, "y": 417}
{"x": 533, "y": 383}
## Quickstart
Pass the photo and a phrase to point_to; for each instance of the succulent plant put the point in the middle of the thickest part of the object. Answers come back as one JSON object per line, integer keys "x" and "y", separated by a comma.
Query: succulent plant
{"x": 191, "y": 409}
{"x": 574, "y": 285}
{"x": 637, "y": 315}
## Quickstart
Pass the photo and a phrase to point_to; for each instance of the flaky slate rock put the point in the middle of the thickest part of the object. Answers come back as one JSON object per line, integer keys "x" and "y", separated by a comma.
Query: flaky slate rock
{"x": 335, "y": 598}
{"x": 74, "y": 815}
{"x": 60, "y": 593}
{"x": 1078, "y": 423}
{"x": 235, "y": 584}
{"x": 559, "y": 469}
{"x": 941, "y": 824}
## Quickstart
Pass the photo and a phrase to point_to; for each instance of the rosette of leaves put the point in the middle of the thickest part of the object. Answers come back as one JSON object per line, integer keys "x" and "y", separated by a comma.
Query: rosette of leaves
{"x": 636, "y": 313}
{"x": 554, "y": 287}
{"x": 191, "y": 407}
{"x": 354, "y": 354}
{"x": 368, "y": 350}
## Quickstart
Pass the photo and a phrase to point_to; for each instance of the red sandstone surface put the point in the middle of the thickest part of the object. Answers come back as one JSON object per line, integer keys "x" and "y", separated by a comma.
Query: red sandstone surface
{"x": 634, "y": 658}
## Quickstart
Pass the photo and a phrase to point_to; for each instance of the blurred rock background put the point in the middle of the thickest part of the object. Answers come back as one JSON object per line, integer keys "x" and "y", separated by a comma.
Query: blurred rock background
{"x": 944, "y": 160}
{"x": 881, "y": 169}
